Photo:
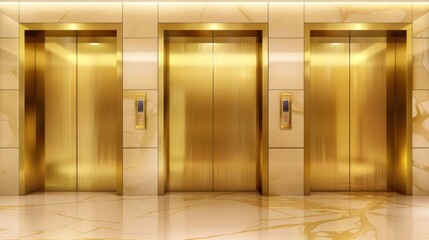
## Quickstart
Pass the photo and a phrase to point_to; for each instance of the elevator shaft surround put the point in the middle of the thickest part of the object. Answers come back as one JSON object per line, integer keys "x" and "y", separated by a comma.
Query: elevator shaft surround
{"x": 399, "y": 172}
{"x": 262, "y": 165}
{"x": 32, "y": 167}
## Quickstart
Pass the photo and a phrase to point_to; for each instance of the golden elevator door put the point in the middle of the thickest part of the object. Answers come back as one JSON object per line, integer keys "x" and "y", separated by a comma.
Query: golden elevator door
{"x": 236, "y": 124}
{"x": 56, "y": 90}
{"x": 96, "y": 117}
{"x": 348, "y": 112}
{"x": 329, "y": 91}
{"x": 212, "y": 110}
{"x": 368, "y": 105}
{"x": 76, "y": 99}
{"x": 190, "y": 111}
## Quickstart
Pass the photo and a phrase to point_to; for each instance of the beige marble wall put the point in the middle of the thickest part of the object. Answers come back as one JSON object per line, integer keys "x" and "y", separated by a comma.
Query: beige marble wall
{"x": 140, "y": 75}
{"x": 421, "y": 63}
{"x": 140, "y": 56}
{"x": 9, "y": 63}
{"x": 140, "y": 171}
{"x": 9, "y": 171}
{"x": 358, "y": 12}
{"x": 9, "y": 98}
{"x": 213, "y": 12}
{"x": 286, "y": 75}
{"x": 70, "y": 12}
{"x": 9, "y": 12}
{"x": 286, "y": 171}
{"x": 9, "y": 122}
{"x": 421, "y": 19}
{"x": 140, "y": 19}
{"x": 420, "y": 101}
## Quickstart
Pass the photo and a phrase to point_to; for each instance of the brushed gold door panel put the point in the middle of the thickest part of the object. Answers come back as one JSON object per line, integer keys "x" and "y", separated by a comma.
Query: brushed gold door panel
{"x": 190, "y": 111}
{"x": 58, "y": 99}
{"x": 236, "y": 134}
{"x": 96, "y": 116}
{"x": 329, "y": 91}
{"x": 368, "y": 111}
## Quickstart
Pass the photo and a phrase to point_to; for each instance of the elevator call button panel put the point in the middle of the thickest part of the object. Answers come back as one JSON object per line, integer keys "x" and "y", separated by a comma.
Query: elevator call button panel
{"x": 140, "y": 111}
{"x": 285, "y": 111}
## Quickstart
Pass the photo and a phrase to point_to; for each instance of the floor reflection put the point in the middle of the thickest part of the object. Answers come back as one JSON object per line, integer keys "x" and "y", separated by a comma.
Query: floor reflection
{"x": 214, "y": 216}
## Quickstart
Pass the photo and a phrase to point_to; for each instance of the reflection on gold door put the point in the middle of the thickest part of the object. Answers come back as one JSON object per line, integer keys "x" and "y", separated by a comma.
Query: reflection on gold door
{"x": 212, "y": 110}
{"x": 349, "y": 109}
{"x": 76, "y": 114}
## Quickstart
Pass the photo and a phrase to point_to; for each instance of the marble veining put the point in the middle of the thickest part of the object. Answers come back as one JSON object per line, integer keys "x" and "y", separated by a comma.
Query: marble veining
{"x": 66, "y": 12}
{"x": 358, "y": 12}
{"x": 9, "y": 19}
{"x": 420, "y": 63}
{"x": 214, "y": 216}
{"x": 213, "y": 12}
{"x": 420, "y": 19}
{"x": 9, "y": 118}
{"x": 421, "y": 171}
{"x": 9, "y": 64}
{"x": 420, "y": 111}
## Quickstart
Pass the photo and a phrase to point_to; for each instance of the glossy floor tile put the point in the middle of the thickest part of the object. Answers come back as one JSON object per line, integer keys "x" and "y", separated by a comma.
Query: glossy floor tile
{"x": 214, "y": 216}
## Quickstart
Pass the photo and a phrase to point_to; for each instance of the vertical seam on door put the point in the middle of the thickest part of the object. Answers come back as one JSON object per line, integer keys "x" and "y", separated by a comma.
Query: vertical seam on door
{"x": 213, "y": 112}
{"x": 77, "y": 114}
{"x": 350, "y": 100}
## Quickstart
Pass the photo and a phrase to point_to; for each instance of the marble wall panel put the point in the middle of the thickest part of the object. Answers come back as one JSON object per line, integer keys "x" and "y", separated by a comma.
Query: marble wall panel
{"x": 286, "y": 20}
{"x": 420, "y": 111}
{"x": 286, "y": 171}
{"x": 421, "y": 19}
{"x": 420, "y": 171}
{"x": 286, "y": 63}
{"x": 9, "y": 171}
{"x": 140, "y": 63}
{"x": 213, "y": 12}
{"x": 421, "y": 63}
{"x": 293, "y": 137}
{"x": 9, "y": 64}
{"x": 71, "y": 12}
{"x": 9, "y": 12}
{"x": 9, "y": 118}
{"x": 140, "y": 19}
{"x": 358, "y": 12}
{"x": 140, "y": 171}
{"x": 140, "y": 137}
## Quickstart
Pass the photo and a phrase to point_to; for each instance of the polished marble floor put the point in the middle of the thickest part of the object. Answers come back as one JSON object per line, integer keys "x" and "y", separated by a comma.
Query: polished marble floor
{"x": 214, "y": 216}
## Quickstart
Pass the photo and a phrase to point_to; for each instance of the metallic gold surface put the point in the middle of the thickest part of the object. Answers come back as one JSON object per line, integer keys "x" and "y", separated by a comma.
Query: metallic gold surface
{"x": 368, "y": 113}
{"x": 393, "y": 154}
{"x": 96, "y": 93}
{"x": 262, "y": 166}
{"x": 403, "y": 127}
{"x": 140, "y": 124}
{"x": 27, "y": 117}
{"x": 283, "y": 123}
{"x": 329, "y": 90}
{"x": 56, "y": 111}
{"x": 56, "y": 53}
{"x": 189, "y": 77}
{"x": 236, "y": 110}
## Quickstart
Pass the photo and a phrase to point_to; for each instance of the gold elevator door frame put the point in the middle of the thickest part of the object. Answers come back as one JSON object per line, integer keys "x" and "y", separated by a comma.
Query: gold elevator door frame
{"x": 75, "y": 94}
{"x": 212, "y": 110}
{"x": 349, "y": 127}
